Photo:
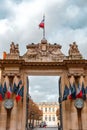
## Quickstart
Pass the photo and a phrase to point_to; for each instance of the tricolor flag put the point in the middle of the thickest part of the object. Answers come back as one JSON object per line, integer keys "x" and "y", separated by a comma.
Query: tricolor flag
{"x": 15, "y": 88}
{"x": 83, "y": 92}
{"x": 1, "y": 93}
{"x": 9, "y": 92}
{"x": 66, "y": 93}
{"x": 20, "y": 91}
{"x": 72, "y": 91}
{"x": 19, "y": 94}
{"x": 41, "y": 25}
{"x": 5, "y": 88}
{"x": 79, "y": 92}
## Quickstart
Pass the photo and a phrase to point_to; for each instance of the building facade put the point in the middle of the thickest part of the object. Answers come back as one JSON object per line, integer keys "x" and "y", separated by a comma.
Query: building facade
{"x": 49, "y": 113}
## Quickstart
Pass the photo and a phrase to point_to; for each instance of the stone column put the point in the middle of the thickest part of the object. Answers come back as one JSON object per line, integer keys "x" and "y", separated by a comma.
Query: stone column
{"x": 19, "y": 115}
{"x": 3, "y": 116}
{"x": 73, "y": 115}
{"x": 84, "y": 109}
{"x": 63, "y": 103}
{"x": 13, "y": 119}
{"x": 24, "y": 78}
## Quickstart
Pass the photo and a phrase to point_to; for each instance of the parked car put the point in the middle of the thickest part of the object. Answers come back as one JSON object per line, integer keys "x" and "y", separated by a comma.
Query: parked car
{"x": 43, "y": 124}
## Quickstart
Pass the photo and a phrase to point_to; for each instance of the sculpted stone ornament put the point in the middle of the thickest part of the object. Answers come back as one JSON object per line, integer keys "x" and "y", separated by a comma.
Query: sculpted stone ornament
{"x": 79, "y": 103}
{"x": 43, "y": 51}
{"x": 14, "y": 48}
{"x": 9, "y": 103}
{"x": 14, "y": 51}
{"x": 74, "y": 52}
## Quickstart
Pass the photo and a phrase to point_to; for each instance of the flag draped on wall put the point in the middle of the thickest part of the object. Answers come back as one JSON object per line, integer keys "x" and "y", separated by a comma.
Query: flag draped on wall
{"x": 66, "y": 93}
{"x": 9, "y": 92}
{"x": 1, "y": 93}
{"x": 83, "y": 92}
{"x": 79, "y": 92}
{"x": 5, "y": 88}
{"x": 15, "y": 88}
{"x": 20, "y": 91}
{"x": 72, "y": 91}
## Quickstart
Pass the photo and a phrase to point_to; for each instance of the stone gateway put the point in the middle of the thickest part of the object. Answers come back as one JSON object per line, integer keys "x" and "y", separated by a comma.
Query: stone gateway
{"x": 41, "y": 59}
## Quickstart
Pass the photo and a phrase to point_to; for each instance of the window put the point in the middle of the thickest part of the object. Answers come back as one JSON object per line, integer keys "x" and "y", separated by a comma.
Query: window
{"x": 53, "y": 109}
{"x": 53, "y": 118}
{"x": 49, "y": 117}
{"x": 46, "y": 109}
{"x": 49, "y": 109}
{"x": 45, "y": 117}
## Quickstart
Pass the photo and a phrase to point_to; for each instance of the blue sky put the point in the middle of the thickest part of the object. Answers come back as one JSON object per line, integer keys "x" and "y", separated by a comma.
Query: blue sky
{"x": 65, "y": 22}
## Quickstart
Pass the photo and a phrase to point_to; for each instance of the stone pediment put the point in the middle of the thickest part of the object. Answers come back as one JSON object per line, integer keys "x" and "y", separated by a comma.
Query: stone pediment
{"x": 44, "y": 52}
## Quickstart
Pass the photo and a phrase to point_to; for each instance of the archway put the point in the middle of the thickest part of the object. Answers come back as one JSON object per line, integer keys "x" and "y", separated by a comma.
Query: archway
{"x": 43, "y": 59}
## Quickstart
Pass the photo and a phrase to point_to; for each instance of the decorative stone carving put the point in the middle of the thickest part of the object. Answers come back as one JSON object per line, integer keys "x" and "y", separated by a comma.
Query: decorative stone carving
{"x": 14, "y": 48}
{"x": 14, "y": 51}
{"x": 44, "y": 52}
{"x": 74, "y": 52}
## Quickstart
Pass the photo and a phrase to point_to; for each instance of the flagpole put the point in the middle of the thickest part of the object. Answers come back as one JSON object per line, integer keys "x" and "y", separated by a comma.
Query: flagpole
{"x": 44, "y": 27}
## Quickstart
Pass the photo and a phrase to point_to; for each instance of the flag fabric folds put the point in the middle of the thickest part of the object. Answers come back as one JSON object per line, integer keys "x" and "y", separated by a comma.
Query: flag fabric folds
{"x": 1, "y": 93}
{"x": 20, "y": 94}
{"x": 15, "y": 88}
{"x": 5, "y": 88}
{"x": 72, "y": 91}
{"x": 66, "y": 93}
{"x": 9, "y": 92}
{"x": 79, "y": 92}
{"x": 83, "y": 92}
{"x": 41, "y": 25}
{"x": 20, "y": 91}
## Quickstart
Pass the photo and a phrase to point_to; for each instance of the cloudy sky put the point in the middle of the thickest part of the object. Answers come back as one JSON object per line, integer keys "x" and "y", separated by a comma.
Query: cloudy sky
{"x": 65, "y": 22}
{"x": 44, "y": 88}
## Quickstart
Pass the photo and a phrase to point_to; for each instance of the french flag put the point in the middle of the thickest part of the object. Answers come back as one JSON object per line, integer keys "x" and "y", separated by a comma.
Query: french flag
{"x": 1, "y": 93}
{"x": 41, "y": 25}
{"x": 70, "y": 94}
{"x": 20, "y": 93}
{"x": 9, "y": 92}
{"x": 79, "y": 92}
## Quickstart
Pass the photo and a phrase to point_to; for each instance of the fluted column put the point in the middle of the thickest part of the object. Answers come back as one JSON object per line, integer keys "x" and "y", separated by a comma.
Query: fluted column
{"x": 3, "y": 117}
{"x": 24, "y": 78}
{"x": 73, "y": 115}
{"x": 19, "y": 115}
{"x": 13, "y": 119}
{"x": 84, "y": 109}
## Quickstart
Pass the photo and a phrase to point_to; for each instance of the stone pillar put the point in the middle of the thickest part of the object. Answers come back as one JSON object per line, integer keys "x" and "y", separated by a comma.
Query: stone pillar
{"x": 84, "y": 109}
{"x": 24, "y": 101}
{"x": 19, "y": 115}
{"x": 3, "y": 116}
{"x": 13, "y": 119}
{"x": 73, "y": 115}
{"x": 63, "y": 104}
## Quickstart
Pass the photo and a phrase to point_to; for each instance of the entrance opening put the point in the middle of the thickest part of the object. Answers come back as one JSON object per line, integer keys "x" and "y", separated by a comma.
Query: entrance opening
{"x": 44, "y": 92}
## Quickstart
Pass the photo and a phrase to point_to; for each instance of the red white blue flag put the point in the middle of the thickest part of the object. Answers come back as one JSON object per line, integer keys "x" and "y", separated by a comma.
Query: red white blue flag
{"x": 9, "y": 92}
{"x": 41, "y": 25}
{"x": 79, "y": 92}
